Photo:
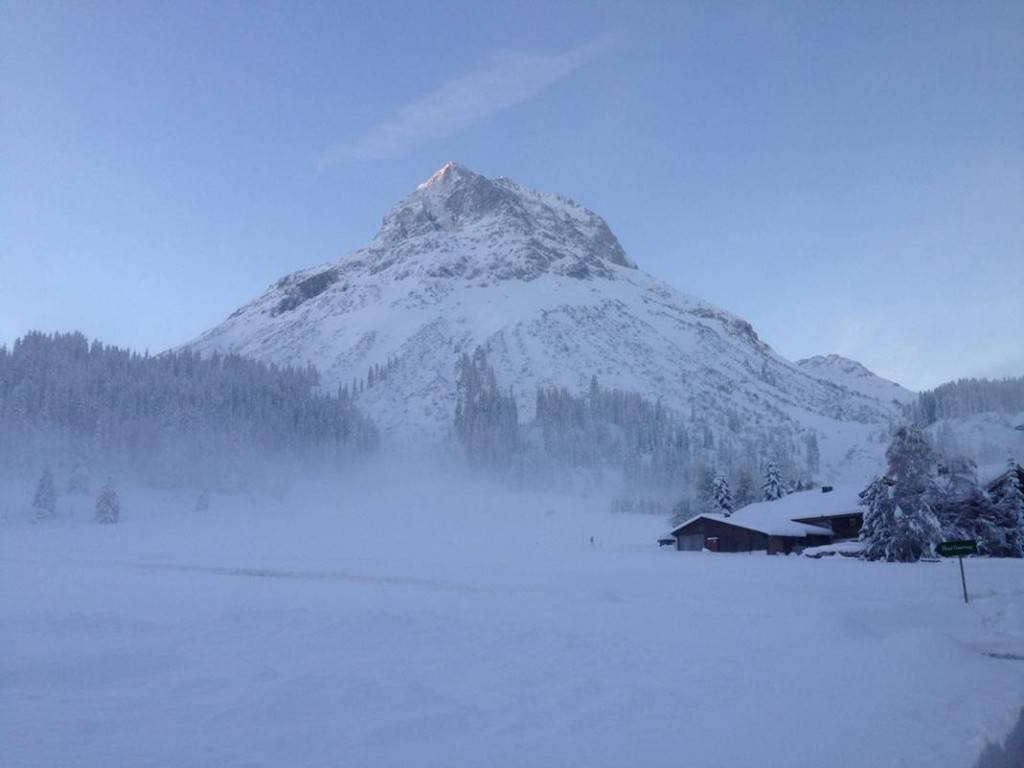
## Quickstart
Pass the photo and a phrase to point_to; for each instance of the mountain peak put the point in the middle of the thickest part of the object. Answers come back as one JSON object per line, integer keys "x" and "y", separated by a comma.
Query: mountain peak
{"x": 461, "y": 223}
{"x": 447, "y": 172}
{"x": 544, "y": 286}
{"x": 854, "y": 375}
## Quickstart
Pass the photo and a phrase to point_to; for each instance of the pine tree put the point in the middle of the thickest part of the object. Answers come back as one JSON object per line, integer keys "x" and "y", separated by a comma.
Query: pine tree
{"x": 108, "y": 506}
{"x": 889, "y": 532}
{"x": 961, "y": 500}
{"x": 874, "y": 530}
{"x": 722, "y": 495}
{"x": 899, "y": 524}
{"x": 966, "y": 511}
{"x": 1008, "y": 512}
{"x": 910, "y": 462}
{"x": 772, "y": 488}
{"x": 44, "y": 503}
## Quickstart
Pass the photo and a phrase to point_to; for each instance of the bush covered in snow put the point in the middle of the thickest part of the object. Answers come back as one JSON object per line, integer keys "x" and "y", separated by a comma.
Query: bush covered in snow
{"x": 44, "y": 502}
{"x": 108, "y": 506}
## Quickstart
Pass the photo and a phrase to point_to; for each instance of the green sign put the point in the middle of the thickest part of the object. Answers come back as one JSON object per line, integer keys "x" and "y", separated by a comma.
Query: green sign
{"x": 957, "y": 548}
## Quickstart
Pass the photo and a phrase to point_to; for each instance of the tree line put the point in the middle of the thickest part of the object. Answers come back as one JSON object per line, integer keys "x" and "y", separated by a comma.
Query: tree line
{"x": 652, "y": 452}
{"x": 174, "y": 419}
{"x": 966, "y": 397}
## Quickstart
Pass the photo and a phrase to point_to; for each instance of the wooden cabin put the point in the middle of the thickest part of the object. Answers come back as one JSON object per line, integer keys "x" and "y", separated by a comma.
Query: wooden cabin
{"x": 790, "y": 524}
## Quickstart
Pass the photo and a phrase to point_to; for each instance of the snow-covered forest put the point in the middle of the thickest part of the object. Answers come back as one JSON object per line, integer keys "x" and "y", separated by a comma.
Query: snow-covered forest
{"x": 173, "y": 420}
{"x": 967, "y": 397}
{"x": 647, "y": 452}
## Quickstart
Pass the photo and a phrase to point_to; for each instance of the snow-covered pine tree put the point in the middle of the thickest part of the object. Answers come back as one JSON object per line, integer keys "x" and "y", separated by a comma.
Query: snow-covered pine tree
{"x": 889, "y": 532}
{"x": 1008, "y": 511}
{"x": 910, "y": 462}
{"x": 997, "y": 529}
{"x": 899, "y": 524}
{"x": 44, "y": 503}
{"x": 722, "y": 495}
{"x": 874, "y": 531}
{"x": 917, "y": 532}
{"x": 960, "y": 499}
{"x": 772, "y": 488}
{"x": 108, "y": 506}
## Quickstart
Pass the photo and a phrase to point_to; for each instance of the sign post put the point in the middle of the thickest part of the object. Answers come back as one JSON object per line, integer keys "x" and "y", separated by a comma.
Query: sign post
{"x": 958, "y": 549}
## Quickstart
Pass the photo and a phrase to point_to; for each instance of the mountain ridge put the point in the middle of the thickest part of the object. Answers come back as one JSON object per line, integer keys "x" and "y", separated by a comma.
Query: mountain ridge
{"x": 856, "y": 375}
{"x": 544, "y": 285}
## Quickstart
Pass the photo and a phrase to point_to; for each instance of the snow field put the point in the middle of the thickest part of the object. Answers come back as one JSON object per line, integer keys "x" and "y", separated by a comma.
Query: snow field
{"x": 448, "y": 626}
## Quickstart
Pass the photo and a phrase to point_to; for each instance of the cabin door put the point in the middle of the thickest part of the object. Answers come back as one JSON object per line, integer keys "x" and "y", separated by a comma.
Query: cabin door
{"x": 691, "y": 543}
{"x": 711, "y": 542}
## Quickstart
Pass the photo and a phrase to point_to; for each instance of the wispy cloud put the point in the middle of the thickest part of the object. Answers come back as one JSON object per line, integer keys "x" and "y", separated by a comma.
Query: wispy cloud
{"x": 506, "y": 80}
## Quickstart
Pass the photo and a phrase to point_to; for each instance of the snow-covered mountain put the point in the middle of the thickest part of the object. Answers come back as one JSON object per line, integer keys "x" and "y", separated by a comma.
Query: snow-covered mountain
{"x": 545, "y": 286}
{"x": 853, "y": 375}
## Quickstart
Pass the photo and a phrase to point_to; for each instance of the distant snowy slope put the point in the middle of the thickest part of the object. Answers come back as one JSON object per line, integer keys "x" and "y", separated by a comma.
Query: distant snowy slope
{"x": 988, "y": 438}
{"x": 546, "y": 287}
{"x": 852, "y": 375}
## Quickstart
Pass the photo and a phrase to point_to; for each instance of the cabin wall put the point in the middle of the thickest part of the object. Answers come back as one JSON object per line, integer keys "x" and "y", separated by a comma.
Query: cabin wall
{"x": 729, "y": 538}
{"x": 721, "y": 537}
{"x": 693, "y": 542}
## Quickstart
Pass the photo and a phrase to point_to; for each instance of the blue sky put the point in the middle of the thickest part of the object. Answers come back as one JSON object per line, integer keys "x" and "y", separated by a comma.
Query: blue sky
{"x": 847, "y": 176}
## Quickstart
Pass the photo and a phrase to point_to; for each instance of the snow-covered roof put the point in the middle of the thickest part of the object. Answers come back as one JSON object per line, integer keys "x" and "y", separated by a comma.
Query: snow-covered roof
{"x": 841, "y": 500}
{"x": 778, "y": 518}
{"x": 989, "y": 473}
{"x": 767, "y": 527}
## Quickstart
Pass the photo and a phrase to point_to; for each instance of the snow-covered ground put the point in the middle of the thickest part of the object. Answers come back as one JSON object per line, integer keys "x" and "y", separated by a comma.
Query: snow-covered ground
{"x": 456, "y": 627}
